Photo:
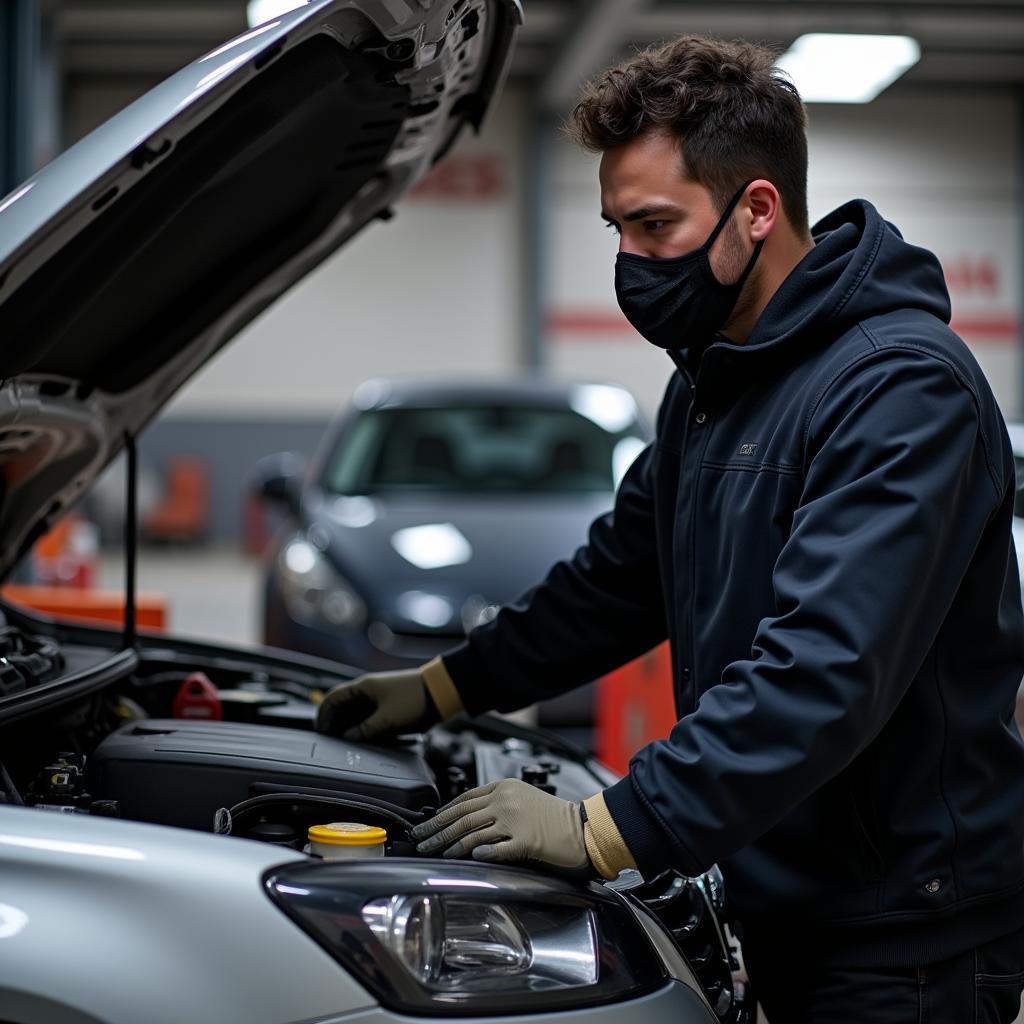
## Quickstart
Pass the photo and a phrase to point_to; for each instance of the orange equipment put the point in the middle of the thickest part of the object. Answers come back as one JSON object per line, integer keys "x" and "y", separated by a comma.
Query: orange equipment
{"x": 183, "y": 513}
{"x": 99, "y": 606}
{"x": 634, "y": 706}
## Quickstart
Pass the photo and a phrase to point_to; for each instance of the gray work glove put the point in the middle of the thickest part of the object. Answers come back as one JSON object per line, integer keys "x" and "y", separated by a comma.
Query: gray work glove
{"x": 378, "y": 704}
{"x": 508, "y": 821}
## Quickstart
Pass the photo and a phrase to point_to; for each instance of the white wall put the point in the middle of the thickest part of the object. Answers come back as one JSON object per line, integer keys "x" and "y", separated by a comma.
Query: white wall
{"x": 947, "y": 171}
{"x": 434, "y": 291}
{"x": 439, "y": 289}
{"x": 945, "y": 168}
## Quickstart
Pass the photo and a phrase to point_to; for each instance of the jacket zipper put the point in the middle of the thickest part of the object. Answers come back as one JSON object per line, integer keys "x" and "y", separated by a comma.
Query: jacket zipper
{"x": 691, "y": 678}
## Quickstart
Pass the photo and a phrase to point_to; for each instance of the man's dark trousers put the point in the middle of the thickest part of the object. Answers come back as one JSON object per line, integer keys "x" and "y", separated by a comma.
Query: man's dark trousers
{"x": 981, "y": 986}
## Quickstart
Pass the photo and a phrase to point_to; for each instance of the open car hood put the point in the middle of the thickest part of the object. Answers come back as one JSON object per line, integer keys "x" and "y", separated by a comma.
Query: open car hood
{"x": 129, "y": 261}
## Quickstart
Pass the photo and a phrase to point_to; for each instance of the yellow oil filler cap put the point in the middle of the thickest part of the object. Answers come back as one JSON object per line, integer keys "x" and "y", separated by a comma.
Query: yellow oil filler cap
{"x": 347, "y": 839}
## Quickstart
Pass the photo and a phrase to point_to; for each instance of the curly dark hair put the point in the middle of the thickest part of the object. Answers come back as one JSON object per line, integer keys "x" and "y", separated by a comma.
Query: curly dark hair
{"x": 737, "y": 116}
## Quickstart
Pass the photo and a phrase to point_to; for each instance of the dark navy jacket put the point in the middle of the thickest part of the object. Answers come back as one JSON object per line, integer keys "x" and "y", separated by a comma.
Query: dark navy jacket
{"x": 822, "y": 531}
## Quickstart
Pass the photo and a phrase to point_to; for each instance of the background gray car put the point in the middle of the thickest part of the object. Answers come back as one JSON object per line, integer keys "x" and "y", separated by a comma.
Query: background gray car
{"x": 430, "y": 503}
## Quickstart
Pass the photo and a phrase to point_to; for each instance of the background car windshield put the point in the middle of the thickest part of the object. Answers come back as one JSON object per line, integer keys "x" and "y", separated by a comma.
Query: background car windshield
{"x": 483, "y": 448}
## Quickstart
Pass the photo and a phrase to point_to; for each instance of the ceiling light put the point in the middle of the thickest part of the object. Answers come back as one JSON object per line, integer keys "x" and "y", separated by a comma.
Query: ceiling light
{"x": 835, "y": 68}
{"x": 259, "y": 11}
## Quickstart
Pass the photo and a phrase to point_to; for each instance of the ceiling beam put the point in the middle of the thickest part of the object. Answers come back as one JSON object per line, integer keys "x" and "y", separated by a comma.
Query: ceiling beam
{"x": 152, "y": 20}
{"x": 596, "y": 38}
{"x": 967, "y": 68}
{"x": 783, "y": 22}
{"x": 105, "y": 61}
{"x": 544, "y": 20}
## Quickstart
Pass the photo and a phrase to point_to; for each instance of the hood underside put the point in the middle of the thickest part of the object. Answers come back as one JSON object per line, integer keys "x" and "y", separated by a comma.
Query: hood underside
{"x": 127, "y": 263}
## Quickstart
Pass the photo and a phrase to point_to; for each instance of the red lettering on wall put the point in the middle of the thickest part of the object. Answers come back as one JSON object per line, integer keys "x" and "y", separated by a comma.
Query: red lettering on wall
{"x": 967, "y": 275}
{"x": 609, "y": 325}
{"x": 463, "y": 179}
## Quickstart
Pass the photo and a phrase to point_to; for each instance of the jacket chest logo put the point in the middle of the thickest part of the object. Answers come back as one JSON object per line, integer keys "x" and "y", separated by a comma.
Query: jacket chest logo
{"x": 748, "y": 449}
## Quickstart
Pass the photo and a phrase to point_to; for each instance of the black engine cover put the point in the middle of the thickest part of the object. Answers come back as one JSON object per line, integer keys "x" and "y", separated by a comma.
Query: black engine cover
{"x": 179, "y": 772}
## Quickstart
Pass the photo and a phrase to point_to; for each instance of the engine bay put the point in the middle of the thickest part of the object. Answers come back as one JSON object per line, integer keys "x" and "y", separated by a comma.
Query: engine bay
{"x": 219, "y": 740}
{"x": 247, "y": 761}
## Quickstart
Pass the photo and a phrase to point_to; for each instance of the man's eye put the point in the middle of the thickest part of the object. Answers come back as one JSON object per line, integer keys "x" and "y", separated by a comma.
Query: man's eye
{"x": 612, "y": 225}
{"x": 654, "y": 225}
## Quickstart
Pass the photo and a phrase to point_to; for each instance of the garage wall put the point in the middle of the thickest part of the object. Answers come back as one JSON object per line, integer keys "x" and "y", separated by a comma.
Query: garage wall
{"x": 944, "y": 167}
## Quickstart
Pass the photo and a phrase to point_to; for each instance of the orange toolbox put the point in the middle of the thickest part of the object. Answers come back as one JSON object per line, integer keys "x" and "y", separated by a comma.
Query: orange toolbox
{"x": 99, "y": 606}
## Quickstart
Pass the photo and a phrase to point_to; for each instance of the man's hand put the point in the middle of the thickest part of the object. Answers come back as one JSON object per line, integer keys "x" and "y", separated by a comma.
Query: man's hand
{"x": 379, "y": 704}
{"x": 508, "y": 821}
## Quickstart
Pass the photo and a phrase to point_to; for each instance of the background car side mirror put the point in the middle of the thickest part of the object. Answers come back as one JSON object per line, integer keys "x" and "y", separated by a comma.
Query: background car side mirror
{"x": 278, "y": 479}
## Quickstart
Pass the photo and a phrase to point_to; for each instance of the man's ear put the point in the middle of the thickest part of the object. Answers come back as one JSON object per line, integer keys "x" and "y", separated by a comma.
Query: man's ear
{"x": 762, "y": 208}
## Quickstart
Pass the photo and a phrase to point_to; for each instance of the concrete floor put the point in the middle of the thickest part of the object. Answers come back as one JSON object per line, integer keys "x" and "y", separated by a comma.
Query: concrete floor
{"x": 212, "y": 593}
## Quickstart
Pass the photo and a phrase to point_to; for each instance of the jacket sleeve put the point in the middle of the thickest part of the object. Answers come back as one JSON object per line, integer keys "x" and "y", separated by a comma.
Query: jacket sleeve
{"x": 897, "y": 494}
{"x": 591, "y": 614}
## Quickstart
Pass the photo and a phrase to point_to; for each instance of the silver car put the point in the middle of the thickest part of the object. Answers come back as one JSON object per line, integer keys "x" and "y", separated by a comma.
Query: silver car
{"x": 156, "y": 795}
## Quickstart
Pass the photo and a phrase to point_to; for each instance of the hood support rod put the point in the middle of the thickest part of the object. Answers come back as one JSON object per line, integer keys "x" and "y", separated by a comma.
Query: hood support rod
{"x": 131, "y": 540}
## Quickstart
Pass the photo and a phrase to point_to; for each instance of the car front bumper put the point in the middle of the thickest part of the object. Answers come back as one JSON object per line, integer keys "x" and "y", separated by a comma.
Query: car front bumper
{"x": 675, "y": 1003}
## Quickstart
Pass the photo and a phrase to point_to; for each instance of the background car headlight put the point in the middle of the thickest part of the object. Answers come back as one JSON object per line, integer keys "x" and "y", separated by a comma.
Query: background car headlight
{"x": 314, "y": 592}
{"x": 468, "y": 938}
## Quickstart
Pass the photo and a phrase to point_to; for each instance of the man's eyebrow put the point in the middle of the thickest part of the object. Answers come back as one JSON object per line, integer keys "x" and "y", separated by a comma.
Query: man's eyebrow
{"x": 644, "y": 213}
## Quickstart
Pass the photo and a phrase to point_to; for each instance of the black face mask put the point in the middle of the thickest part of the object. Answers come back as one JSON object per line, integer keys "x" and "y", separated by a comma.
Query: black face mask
{"x": 678, "y": 302}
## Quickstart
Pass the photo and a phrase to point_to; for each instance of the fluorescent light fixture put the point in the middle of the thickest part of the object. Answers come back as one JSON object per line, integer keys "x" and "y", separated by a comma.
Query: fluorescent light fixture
{"x": 433, "y": 546}
{"x": 837, "y": 68}
{"x": 259, "y": 11}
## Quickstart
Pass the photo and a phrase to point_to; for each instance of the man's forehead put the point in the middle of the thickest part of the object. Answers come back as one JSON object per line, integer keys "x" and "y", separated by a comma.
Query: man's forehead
{"x": 625, "y": 190}
{"x": 647, "y": 156}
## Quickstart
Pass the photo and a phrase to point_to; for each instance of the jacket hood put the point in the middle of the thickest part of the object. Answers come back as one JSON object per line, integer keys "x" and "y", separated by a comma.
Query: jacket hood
{"x": 133, "y": 258}
{"x": 860, "y": 267}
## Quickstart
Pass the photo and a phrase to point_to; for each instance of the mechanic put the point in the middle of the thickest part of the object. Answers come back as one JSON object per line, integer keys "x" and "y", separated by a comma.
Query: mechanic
{"x": 821, "y": 529}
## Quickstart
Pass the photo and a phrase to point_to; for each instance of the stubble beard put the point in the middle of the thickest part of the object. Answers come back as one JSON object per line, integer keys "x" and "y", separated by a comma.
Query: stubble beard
{"x": 735, "y": 258}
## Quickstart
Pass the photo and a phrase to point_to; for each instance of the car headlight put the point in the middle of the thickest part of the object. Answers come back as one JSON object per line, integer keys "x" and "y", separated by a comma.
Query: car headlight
{"x": 470, "y": 938}
{"x": 313, "y": 590}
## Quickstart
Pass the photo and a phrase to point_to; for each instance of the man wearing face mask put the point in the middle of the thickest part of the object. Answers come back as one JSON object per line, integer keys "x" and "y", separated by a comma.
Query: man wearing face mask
{"x": 822, "y": 532}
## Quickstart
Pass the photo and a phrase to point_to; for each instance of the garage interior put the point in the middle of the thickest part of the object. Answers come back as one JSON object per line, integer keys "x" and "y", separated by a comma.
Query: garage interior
{"x": 515, "y": 212}
{"x": 496, "y": 270}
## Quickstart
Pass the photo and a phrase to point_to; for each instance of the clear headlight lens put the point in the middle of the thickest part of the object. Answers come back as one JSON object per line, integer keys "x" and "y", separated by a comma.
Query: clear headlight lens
{"x": 452, "y": 944}
{"x": 314, "y": 591}
{"x": 470, "y": 938}
{"x": 480, "y": 936}
{"x": 411, "y": 927}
